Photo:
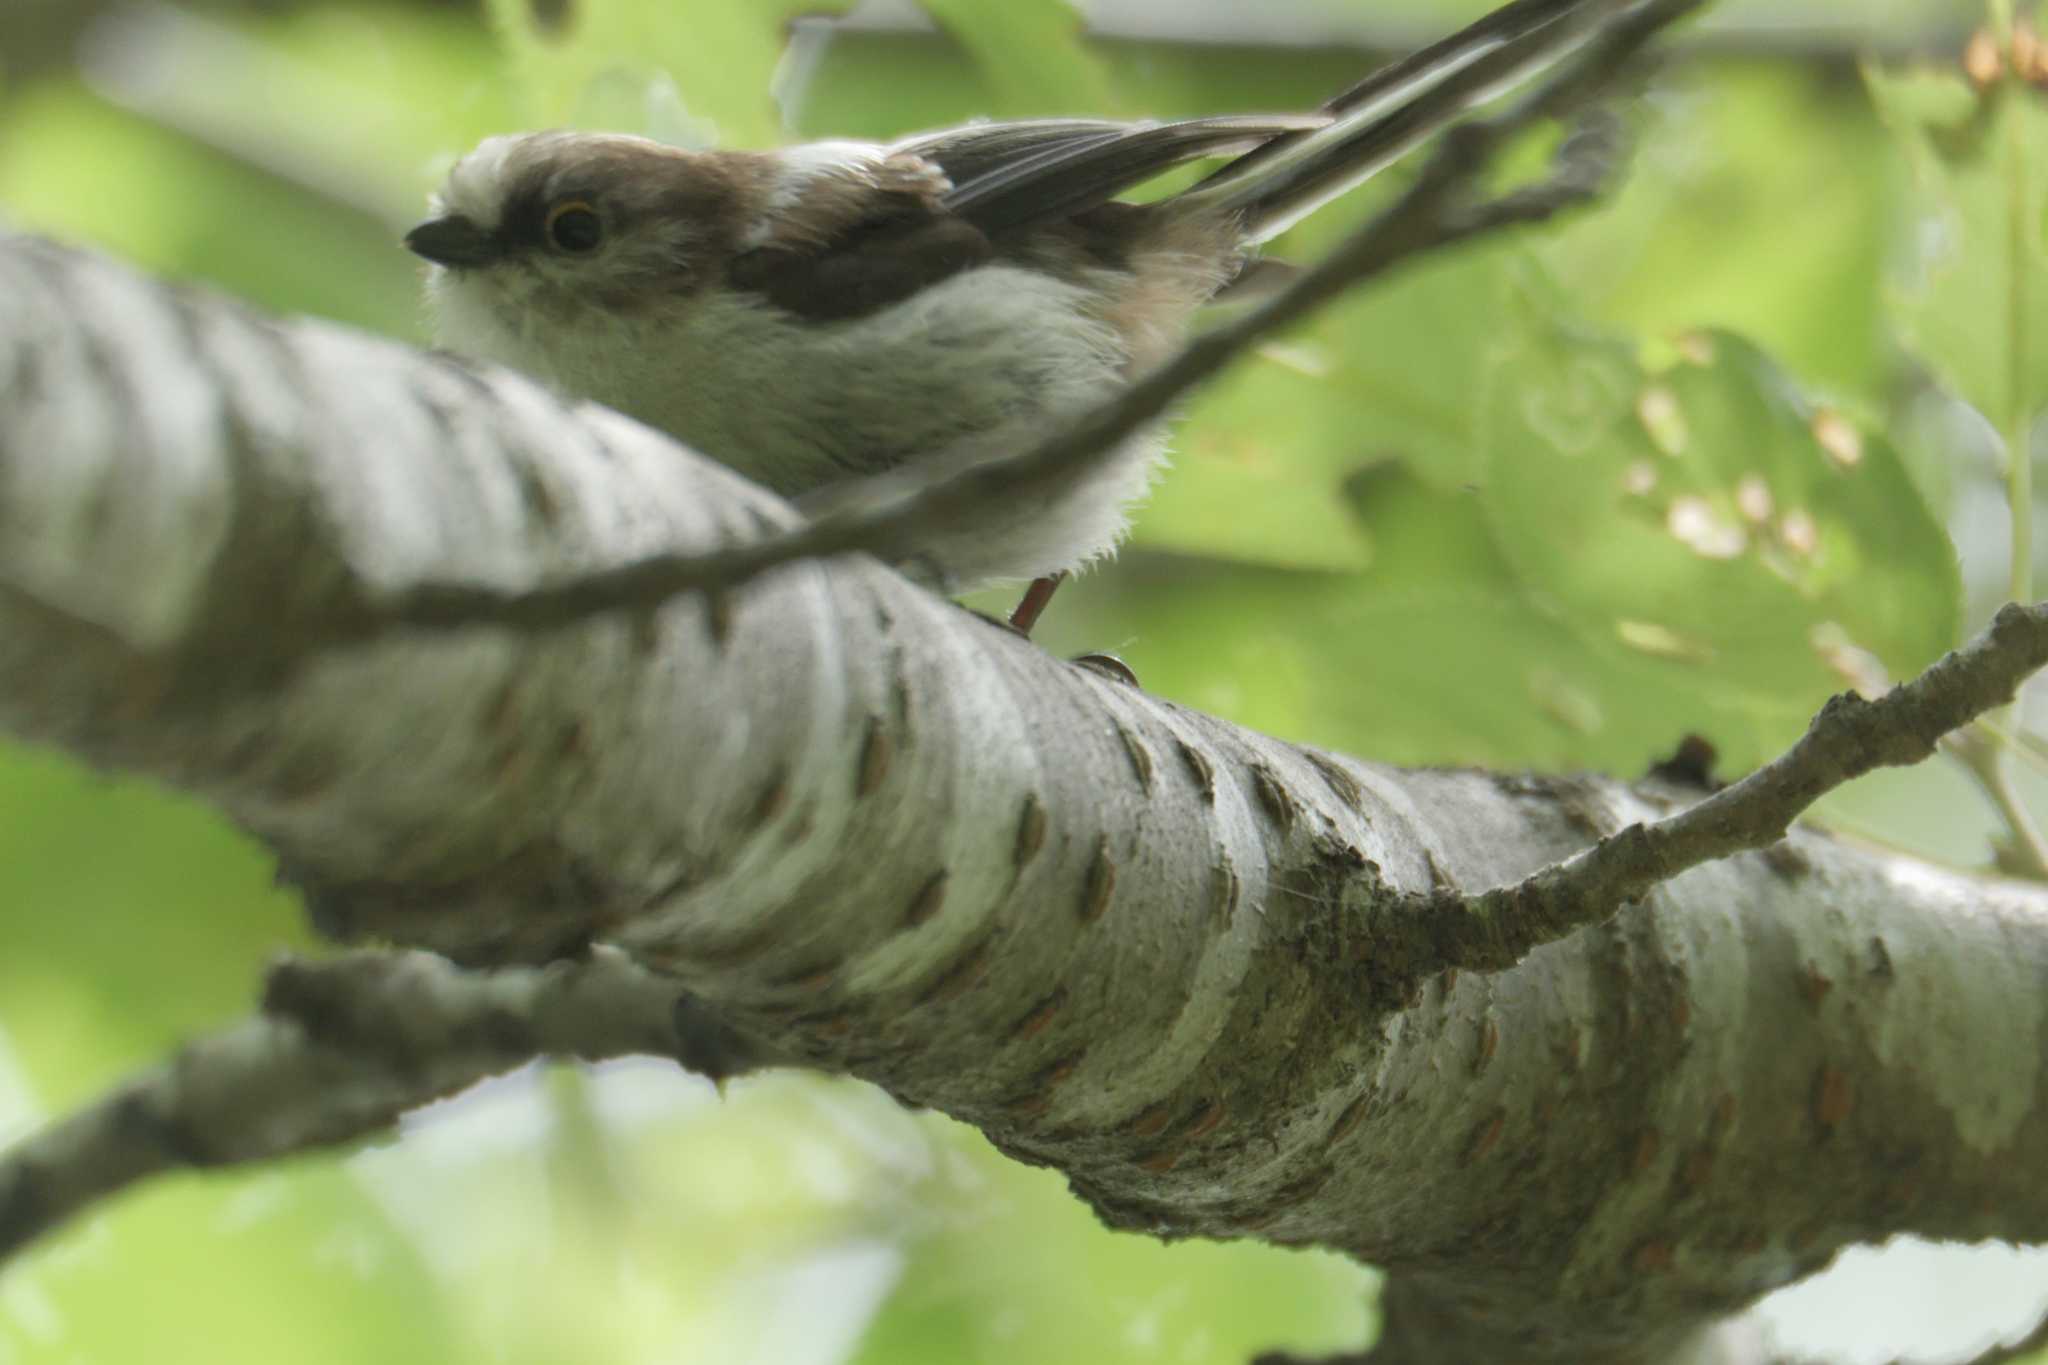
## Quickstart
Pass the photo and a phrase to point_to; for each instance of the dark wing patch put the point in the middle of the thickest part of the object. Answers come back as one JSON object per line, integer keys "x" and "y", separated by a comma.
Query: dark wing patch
{"x": 859, "y": 238}
{"x": 853, "y": 238}
{"x": 1014, "y": 175}
{"x": 835, "y": 202}
{"x": 870, "y": 268}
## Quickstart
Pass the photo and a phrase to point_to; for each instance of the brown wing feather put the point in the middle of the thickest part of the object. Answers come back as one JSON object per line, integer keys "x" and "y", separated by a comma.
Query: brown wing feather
{"x": 855, "y": 237}
{"x": 859, "y": 237}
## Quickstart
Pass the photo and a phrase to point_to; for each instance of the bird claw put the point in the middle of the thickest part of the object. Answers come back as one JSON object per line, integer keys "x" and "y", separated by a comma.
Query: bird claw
{"x": 1109, "y": 666}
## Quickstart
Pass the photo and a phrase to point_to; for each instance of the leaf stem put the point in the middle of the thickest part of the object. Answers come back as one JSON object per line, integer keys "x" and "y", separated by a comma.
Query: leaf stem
{"x": 2019, "y": 473}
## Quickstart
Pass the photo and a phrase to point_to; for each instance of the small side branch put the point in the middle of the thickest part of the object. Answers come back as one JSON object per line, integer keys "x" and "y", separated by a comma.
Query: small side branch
{"x": 339, "y": 1050}
{"x": 1428, "y": 933}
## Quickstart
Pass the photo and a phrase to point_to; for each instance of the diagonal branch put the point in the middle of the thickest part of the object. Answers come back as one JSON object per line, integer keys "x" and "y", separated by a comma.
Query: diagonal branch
{"x": 886, "y": 514}
{"x": 1439, "y": 929}
{"x": 340, "y": 1050}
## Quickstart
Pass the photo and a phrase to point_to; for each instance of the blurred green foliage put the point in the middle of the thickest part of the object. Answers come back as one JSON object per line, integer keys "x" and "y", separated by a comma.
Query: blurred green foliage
{"x": 1553, "y": 501}
{"x": 1980, "y": 261}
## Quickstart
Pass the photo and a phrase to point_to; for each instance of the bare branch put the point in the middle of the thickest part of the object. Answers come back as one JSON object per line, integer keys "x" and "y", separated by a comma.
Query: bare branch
{"x": 341, "y": 1049}
{"x": 1986, "y": 752}
{"x": 883, "y": 515}
{"x": 1431, "y": 932}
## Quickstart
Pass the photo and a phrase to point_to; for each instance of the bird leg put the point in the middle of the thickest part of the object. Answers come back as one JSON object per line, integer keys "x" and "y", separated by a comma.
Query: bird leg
{"x": 1035, "y": 598}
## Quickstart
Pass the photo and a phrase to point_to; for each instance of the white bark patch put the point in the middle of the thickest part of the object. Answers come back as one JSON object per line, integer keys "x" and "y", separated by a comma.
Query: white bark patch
{"x": 73, "y": 543}
{"x": 1962, "y": 1014}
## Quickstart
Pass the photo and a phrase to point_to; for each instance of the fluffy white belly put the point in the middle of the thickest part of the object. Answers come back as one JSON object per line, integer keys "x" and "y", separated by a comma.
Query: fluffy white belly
{"x": 979, "y": 366}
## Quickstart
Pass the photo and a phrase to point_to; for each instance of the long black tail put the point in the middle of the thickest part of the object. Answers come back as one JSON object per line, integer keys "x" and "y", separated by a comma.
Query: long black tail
{"x": 1385, "y": 115}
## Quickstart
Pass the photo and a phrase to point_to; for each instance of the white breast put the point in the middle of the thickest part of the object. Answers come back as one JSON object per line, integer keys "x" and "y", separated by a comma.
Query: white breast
{"x": 978, "y": 366}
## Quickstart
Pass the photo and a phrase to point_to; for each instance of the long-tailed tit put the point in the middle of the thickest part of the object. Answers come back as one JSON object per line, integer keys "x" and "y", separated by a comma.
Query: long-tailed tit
{"x": 835, "y": 309}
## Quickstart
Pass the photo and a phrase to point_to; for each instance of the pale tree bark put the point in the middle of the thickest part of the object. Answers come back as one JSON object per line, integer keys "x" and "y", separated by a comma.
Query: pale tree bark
{"x": 1226, "y": 984}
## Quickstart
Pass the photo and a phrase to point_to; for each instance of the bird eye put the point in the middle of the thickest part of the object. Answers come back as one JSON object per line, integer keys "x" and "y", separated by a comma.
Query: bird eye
{"x": 573, "y": 225}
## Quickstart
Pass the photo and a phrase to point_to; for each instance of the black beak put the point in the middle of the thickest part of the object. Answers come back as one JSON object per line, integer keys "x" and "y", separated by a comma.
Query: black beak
{"x": 454, "y": 241}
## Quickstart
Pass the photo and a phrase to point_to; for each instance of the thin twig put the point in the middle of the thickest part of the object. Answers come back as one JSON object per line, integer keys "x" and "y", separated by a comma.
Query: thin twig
{"x": 342, "y": 1047}
{"x": 1985, "y": 753}
{"x": 896, "y": 511}
{"x": 1429, "y": 932}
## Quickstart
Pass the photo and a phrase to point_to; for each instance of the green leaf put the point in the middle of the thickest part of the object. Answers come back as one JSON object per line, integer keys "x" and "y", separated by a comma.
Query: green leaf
{"x": 1262, "y": 457}
{"x": 1434, "y": 654}
{"x": 1638, "y": 555}
{"x": 1709, "y": 518}
{"x": 184, "y": 209}
{"x": 1760, "y": 203}
{"x": 693, "y": 73}
{"x": 288, "y": 1263}
{"x": 1977, "y": 284}
{"x": 1018, "y": 1272}
{"x": 115, "y": 958}
{"x": 1032, "y": 53}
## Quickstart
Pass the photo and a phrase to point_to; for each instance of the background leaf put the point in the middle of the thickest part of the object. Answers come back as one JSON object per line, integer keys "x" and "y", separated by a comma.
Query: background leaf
{"x": 1031, "y": 52}
{"x": 1980, "y": 234}
{"x": 1709, "y": 516}
{"x": 1635, "y": 556}
{"x": 1760, "y": 199}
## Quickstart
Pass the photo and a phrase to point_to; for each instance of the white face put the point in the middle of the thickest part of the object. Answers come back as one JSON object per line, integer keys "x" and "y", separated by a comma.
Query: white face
{"x": 475, "y": 188}
{"x": 543, "y": 244}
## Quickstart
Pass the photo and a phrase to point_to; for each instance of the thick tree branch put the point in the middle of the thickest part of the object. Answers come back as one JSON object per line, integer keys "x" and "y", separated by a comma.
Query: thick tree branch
{"x": 875, "y": 833}
{"x": 343, "y": 1047}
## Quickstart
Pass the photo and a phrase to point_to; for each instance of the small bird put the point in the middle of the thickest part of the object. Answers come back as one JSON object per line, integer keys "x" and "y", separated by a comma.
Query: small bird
{"x": 837, "y": 309}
